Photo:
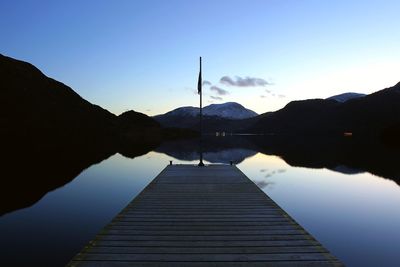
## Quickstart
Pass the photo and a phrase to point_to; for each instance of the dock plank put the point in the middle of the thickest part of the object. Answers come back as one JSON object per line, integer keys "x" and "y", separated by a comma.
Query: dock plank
{"x": 210, "y": 216}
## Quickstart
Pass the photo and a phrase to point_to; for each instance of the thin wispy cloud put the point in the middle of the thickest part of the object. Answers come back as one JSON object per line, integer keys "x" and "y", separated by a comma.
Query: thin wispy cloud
{"x": 216, "y": 98}
{"x": 272, "y": 94}
{"x": 243, "y": 82}
{"x": 205, "y": 83}
{"x": 219, "y": 90}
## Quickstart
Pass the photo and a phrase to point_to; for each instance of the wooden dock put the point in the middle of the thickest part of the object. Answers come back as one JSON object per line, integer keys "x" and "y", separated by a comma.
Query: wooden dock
{"x": 209, "y": 216}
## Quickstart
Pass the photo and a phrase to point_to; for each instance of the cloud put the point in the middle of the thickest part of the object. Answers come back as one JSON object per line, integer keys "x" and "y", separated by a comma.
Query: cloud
{"x": 218, "y": 90}
{"x": 205, "y": 82}
{"x": 243, "y": 82}
{"x": 216, "y": 97}
{"x": 269, "y": 92}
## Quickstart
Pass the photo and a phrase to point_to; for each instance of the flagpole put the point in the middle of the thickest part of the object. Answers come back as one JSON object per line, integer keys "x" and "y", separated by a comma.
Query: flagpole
{"x": 200, "y": 85}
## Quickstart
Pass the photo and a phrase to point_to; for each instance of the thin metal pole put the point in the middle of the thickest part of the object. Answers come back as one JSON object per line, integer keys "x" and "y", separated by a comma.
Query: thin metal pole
{"x": 201, "y": 164}
{"x": 201, "y": 103}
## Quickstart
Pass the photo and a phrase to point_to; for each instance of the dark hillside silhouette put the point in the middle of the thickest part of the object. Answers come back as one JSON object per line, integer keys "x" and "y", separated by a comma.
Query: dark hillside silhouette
{"x": 368, "y": 116}
{"x": 49, "y": 134}
{"x": 42, "y": 113}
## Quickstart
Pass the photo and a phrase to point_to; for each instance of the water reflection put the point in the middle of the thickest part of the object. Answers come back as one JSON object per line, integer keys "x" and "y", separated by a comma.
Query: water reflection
{"x": 215, "y": 150}
{"x": 355, "y": 216}
{"x": 263, "y": 183}
{"x": 73, "y": 196}
{"x": 343, "y": 155}
{"x": 29, "y": 178}
{"x": 30, "y": 175}
{"x": 348, "y": 156}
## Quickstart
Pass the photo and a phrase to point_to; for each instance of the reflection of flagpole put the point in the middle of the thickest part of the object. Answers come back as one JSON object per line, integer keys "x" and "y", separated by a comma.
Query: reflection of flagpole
{"x": 200, "y": 91}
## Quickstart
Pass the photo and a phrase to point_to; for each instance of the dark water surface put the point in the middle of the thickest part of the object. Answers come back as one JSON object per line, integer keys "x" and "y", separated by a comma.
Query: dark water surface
{"x": 350, "y": 202}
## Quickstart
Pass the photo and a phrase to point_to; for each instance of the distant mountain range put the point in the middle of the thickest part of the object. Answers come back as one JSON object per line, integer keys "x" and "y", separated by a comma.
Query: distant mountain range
{"x": 373, "y": 115}
{"x": 215, "y": 117}
{"x": 228, "y": 110}
{"x": 42, "y": 112}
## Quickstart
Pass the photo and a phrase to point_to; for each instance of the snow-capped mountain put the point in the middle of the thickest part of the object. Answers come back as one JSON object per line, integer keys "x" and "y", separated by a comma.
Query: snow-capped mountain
{"x": 346, "y": 97}
{"x": 182, "y": 112}
{"x": 229, "y": 110}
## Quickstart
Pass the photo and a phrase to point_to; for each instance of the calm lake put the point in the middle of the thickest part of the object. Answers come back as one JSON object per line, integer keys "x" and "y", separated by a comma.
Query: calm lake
{"x": 353, "y": 213}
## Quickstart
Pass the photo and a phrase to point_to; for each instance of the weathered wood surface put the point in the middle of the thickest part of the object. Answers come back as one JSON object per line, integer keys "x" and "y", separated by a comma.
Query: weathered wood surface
{"x": 211, "y": 216}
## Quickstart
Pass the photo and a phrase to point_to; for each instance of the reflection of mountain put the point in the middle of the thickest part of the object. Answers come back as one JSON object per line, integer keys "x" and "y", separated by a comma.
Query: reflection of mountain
{"x": 339, "y": 154}
{"x": 27, "y": 177}
{"x": 235, "y": 155}
{"x": 348, "y": 156}
{"x": 223, "y": 156}
{"x": 215, "y": 150}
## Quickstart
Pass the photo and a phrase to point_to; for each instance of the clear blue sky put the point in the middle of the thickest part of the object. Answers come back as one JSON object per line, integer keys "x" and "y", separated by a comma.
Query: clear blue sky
{"x": 143, "y": 55}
